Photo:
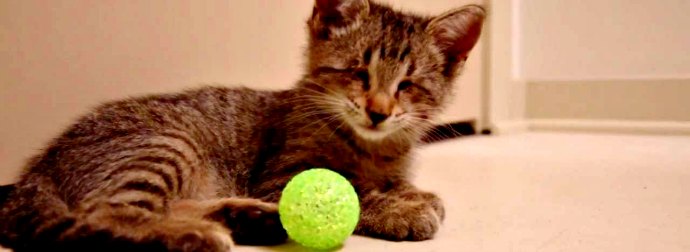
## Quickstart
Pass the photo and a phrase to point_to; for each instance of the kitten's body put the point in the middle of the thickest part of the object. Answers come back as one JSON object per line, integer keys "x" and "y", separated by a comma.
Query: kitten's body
{"x": 182, "y": 171}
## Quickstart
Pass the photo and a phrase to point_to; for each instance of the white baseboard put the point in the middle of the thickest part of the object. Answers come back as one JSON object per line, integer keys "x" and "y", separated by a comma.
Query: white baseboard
{"x": 584, "y": 125}
{"x": 613, "y": 126}
{"x": 510, "y": 127}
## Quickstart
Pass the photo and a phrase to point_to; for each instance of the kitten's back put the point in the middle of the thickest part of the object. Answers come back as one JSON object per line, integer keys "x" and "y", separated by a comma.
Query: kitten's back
{"x": 134, "y": 154}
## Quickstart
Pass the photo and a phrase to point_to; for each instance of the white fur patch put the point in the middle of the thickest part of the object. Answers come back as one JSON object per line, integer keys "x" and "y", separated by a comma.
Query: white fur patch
{"x": 341, "y": 31}
{"x": 402, "y": 73}
{"x": 372, "y": 135}
{"x": 372, "y": 68}
{"x": 224, "y": 237}
{"x": 130, "y": 196}
{"x": 437, "y": 218}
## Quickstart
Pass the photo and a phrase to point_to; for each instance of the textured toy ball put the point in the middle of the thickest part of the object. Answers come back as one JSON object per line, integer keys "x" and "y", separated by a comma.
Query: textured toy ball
{"x": 319, "y": 208}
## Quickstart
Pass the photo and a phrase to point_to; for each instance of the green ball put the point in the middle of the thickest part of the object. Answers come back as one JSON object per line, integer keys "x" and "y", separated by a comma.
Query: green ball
{"x": 319, "y": 208}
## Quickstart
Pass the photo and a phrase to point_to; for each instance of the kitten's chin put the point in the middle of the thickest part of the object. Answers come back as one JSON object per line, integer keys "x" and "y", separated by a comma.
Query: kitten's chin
{"x": 371, "y": 134}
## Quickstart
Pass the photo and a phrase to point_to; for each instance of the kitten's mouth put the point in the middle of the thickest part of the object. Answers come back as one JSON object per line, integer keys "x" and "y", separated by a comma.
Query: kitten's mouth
{"x": 368, "y": 131}
{"x": 372, "y": 128}
{"x": 371, "y": 132}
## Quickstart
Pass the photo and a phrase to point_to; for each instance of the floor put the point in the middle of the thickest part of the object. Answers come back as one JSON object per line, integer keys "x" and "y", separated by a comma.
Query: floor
{"x": 552, "y": 192}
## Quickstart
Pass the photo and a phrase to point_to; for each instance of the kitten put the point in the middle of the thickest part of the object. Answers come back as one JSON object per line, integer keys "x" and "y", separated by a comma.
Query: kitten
{"x": 197, "y": 170}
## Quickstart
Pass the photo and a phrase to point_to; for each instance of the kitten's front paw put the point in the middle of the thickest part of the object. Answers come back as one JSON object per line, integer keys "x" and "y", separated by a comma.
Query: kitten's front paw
{"x": 422, "y": 221}
{"x": 410, "y": 217}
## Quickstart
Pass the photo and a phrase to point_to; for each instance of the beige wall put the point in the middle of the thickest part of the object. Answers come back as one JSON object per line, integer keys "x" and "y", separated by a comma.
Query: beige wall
{"x": 604, "y": 39}
{"x": 58, "y": 58}
{"x": 605, "y": 65}
{"x": 617, "y": 65}
{"x": 61, "y": 57}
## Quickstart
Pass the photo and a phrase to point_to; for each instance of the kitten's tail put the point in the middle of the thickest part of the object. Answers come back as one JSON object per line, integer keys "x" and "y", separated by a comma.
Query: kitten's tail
{"x": 33, "y": 215}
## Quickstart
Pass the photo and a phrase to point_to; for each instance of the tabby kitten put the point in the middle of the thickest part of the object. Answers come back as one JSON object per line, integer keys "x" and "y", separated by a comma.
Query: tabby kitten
{"x": 197, "y": 170}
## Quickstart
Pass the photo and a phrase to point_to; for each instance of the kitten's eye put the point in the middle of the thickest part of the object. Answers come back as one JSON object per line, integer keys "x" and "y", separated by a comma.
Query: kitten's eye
{"x": 404, "y": 85}
{"x": 363, "y": 75}
{"x": 328, "y": 70}
{"x": 367, "y": 56}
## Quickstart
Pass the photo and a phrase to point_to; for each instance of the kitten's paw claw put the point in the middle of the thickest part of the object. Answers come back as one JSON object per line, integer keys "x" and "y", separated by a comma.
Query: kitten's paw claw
{"x": 425, "y": 224}
{"x": 419, "y": 222}
{"x": 428, "y": 199}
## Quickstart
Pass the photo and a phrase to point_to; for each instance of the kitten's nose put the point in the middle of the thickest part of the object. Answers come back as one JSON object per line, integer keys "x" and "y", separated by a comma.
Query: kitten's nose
{"x": 376, "y": 118}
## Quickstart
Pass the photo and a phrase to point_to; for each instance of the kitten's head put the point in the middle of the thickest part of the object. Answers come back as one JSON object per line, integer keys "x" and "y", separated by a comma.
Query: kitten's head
{"x": 383, "y": 72}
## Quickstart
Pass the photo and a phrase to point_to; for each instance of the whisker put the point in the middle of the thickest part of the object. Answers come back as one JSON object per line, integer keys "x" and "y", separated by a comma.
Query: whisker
{"x": 336, "y": 129}
{"x": 332, "y": 119}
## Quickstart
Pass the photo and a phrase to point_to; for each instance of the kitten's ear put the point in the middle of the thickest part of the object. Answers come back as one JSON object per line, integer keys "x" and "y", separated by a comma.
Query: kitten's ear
{"x": 456, "y": 32}
{"x": 337, "y": 16}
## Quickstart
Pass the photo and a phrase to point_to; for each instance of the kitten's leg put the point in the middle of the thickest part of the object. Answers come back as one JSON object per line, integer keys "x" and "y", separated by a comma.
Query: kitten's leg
{"x": 36, "y": 219}
{"x": 131, "y": 228}
{"x": 130, "y": 188}
{"x": 251, "y": 221}
{"x": 404, "y": 213}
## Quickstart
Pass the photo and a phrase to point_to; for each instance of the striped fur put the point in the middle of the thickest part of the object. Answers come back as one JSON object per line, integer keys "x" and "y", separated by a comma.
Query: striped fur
{"x": 196, "y": 170}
